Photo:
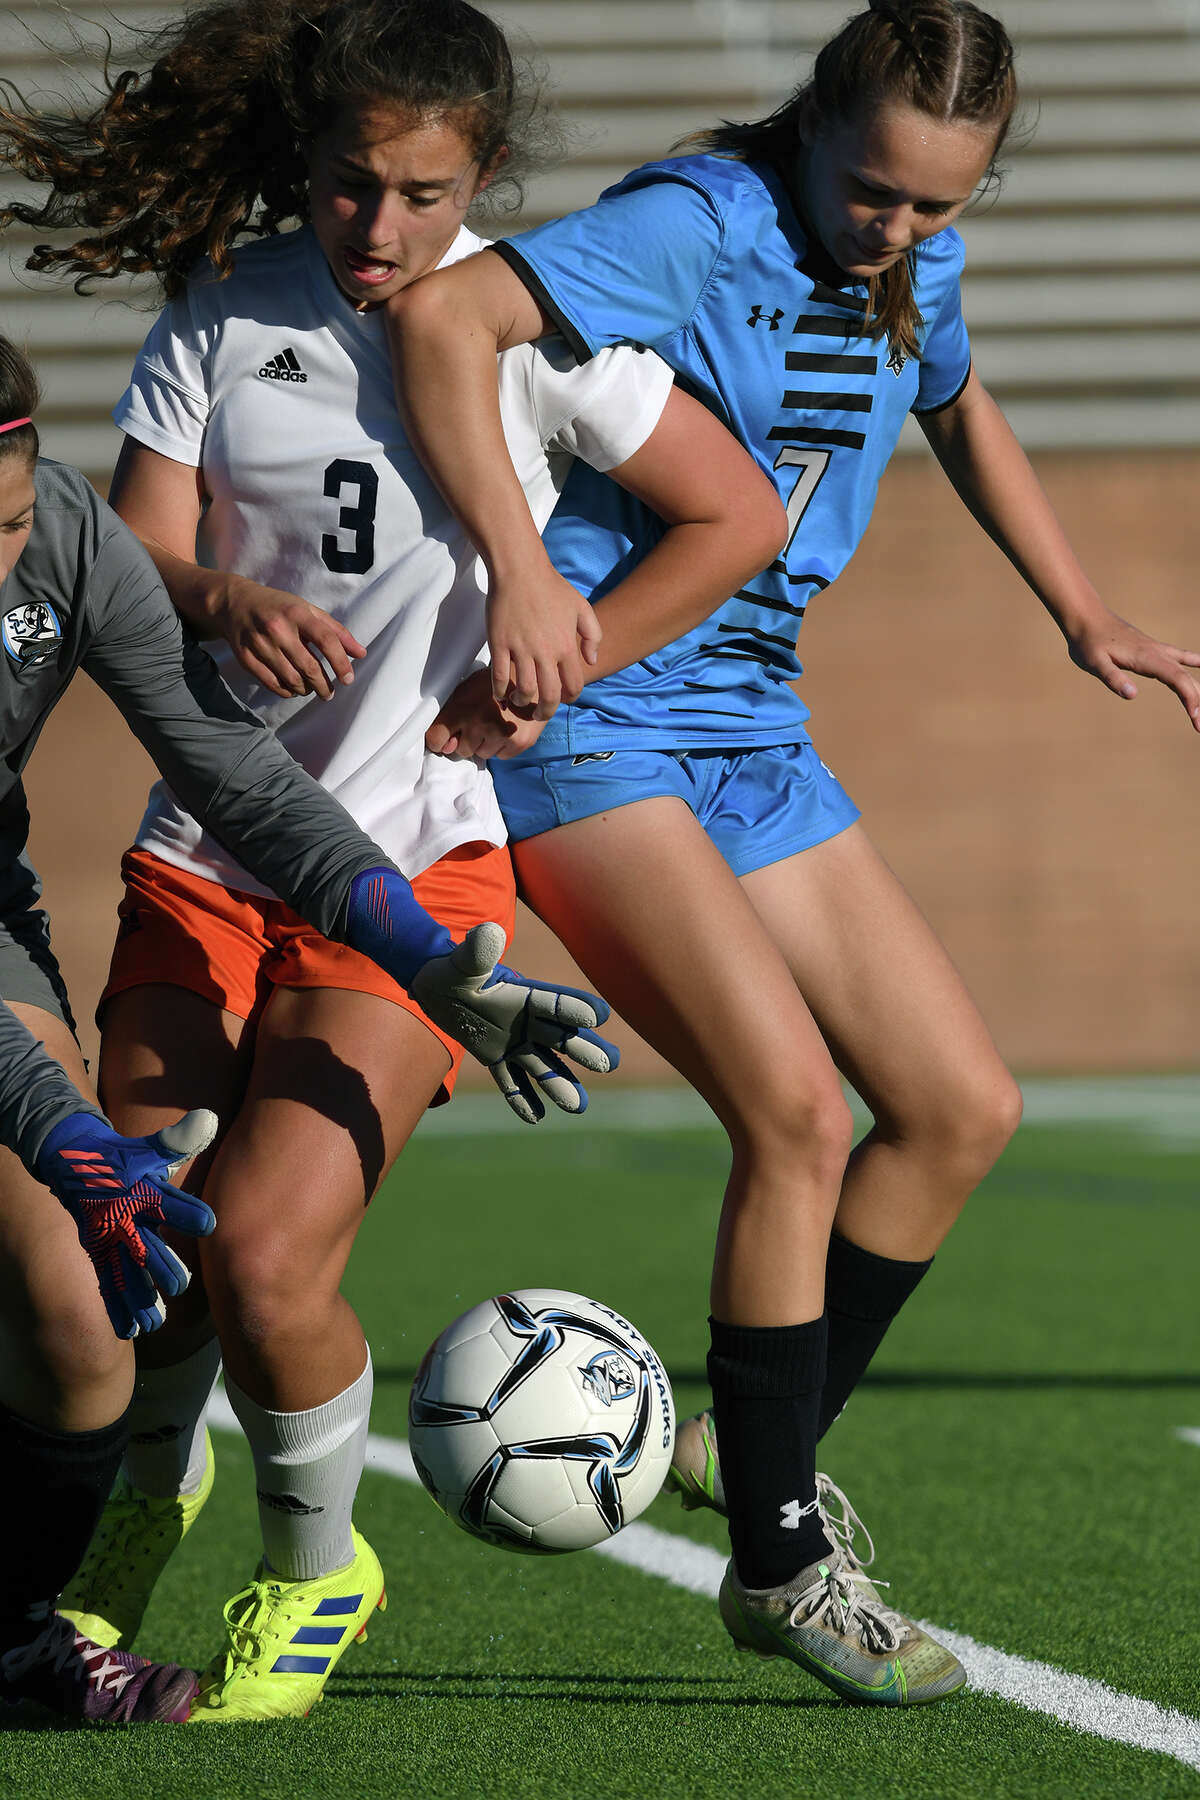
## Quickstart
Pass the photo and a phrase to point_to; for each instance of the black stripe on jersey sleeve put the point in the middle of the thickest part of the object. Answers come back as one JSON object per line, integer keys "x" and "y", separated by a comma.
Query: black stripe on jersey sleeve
{"x": 804, "y": 434}
{"x": 521, "y": 269}
{"x": 809, "y": 362}
{"x": 770, "y": 602}
{"x": 711, "y": 712}
{"x": 805, "y": 400}
{"x": 927, "y": 412}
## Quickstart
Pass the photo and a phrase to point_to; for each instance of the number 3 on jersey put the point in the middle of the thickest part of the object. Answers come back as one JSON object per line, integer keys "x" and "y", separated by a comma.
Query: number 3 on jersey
{"x": 812, "y": 465}
{"x": 360, "y": 518}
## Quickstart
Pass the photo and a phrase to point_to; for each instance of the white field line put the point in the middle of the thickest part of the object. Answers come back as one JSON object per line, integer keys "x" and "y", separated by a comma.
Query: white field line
{"x": 1189, "y": 1433}
{"x": 1074, "y": 1700}
{"x": 1165, "y": 1108}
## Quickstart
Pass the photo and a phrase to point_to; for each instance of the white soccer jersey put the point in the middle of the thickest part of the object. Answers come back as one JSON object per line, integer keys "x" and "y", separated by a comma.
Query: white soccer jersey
{"x": 273, "y": 385}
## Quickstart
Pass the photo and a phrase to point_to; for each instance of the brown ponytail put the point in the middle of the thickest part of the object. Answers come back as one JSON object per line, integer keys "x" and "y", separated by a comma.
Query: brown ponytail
{"x": 944, "y": 58}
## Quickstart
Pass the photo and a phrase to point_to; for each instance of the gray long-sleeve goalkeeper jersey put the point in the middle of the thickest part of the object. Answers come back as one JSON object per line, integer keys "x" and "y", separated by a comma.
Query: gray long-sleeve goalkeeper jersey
{"x": 85, "y": 594}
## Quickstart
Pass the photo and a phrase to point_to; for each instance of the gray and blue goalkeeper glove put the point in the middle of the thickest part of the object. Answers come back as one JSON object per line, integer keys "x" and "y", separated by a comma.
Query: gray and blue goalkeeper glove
{"x": 519, "y": 1029}
{"x": 118, "y": 1191}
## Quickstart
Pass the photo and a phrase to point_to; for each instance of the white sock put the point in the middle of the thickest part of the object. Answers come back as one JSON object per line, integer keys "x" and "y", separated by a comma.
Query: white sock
{"x": 307, "y": 1467}
{"x": 166, "y": 1423}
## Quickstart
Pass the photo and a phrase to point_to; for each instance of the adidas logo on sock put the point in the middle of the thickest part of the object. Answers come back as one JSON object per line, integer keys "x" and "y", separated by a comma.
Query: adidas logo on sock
{"x": 283, "y": 367}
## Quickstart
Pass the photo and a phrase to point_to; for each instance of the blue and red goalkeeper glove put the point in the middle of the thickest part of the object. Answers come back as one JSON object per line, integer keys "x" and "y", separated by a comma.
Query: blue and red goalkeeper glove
{"x": 519, "y": 1029}
{"x": 118, "y": 1191}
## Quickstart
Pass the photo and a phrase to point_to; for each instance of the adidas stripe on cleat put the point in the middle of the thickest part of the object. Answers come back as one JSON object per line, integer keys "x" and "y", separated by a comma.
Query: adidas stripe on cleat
{"x": 284, "y": 1640}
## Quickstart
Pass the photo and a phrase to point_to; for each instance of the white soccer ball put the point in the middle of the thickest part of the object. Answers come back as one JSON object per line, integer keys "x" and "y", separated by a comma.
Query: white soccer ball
{"x": 541, "y": 1421}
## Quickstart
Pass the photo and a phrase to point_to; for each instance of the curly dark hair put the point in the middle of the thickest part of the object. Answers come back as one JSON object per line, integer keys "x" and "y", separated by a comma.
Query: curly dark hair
{"x": 945, "y": 58}
{"x": 208, "y": 142}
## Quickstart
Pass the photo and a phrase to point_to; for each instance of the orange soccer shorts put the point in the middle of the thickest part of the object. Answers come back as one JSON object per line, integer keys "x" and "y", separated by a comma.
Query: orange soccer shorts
{"x": 179, "y": 930}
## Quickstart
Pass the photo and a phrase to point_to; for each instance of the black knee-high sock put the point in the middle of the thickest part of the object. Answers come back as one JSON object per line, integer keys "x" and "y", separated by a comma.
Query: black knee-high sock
{"x": 863, "y": 1294}
{"x": 766, "y": 1384}
{"x": 53, "y": 1492}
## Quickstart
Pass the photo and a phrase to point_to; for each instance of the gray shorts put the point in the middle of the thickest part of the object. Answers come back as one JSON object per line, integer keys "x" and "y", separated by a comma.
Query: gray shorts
{"x": 29, "y": 973}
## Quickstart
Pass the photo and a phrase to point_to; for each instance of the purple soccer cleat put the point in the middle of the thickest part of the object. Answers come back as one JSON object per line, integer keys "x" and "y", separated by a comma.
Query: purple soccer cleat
{"x": 81, "y": 1680}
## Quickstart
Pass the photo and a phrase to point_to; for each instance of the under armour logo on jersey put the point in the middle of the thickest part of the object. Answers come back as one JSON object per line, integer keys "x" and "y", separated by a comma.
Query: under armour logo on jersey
{"x": 593, "y": 756}
{"x": 284, "y": 367}
{"x": 896, "y": 360}
{"x": 791, "y": 1514}
{"x": 770, "y": 320}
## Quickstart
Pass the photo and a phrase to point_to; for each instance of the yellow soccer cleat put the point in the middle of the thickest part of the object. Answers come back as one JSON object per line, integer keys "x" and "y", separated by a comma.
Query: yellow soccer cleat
{"x": 285, "y": 1638}
{"x": 131, "y": 1546}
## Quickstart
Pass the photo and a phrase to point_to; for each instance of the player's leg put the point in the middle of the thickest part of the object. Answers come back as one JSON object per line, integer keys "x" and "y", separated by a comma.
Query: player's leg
{"x": 65, "y": 1382}
{"x": 345, "y": 1064}
{"x": 182, "y": 986}
{"x": 660, "y": 924}
{"x": 658, "y": 920}
{"x": 159, "y": 1044}
{"x": 906, "y": 1033}
{"x": 339, "y": 1081}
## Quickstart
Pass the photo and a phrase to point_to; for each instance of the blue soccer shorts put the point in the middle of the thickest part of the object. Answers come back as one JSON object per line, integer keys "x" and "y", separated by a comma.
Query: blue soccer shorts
{"x": 758, "y": 805}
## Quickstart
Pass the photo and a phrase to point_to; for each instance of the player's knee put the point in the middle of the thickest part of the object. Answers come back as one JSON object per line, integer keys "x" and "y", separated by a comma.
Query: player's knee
{"x": 971, "y": 1122}
{"x": 259, "y": 1283}
{"x": 77, "y": 1360}
{"x": 801, "y": 1125}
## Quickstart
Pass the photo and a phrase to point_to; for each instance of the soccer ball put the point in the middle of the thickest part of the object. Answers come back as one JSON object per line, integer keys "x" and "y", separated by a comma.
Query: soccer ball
{"x": 541, "y": 1421}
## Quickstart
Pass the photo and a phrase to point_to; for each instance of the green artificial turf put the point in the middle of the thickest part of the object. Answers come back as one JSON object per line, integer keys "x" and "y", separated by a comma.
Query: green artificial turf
{"x": 1013, "y": 1451}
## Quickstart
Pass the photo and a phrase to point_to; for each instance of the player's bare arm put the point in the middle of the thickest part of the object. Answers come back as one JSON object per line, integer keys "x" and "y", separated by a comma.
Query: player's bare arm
{"x": 992, "y": 475}
{"x": 285, "y": 642}
{"x": 726, "y": 522}
{"x": 445, "y": 332}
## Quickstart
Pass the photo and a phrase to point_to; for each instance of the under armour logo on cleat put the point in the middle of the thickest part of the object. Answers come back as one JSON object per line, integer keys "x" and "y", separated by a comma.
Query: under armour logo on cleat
{"x": 791, "y": 1514}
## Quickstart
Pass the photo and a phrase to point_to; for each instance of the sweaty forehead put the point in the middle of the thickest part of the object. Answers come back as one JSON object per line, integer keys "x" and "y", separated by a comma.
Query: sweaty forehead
{"x": 918, "y": 157}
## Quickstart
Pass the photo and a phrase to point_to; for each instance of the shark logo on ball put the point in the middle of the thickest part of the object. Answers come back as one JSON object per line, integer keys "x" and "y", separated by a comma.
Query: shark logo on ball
{"x": 609, "y": 1377}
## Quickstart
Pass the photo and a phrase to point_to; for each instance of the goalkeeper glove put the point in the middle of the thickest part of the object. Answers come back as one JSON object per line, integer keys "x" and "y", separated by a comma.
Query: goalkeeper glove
{"x": 119, "y": 1193}
{"x": 519, "y": 1029}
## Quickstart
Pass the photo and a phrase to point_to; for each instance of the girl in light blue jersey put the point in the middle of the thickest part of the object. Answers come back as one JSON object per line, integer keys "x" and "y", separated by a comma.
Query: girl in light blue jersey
{"x": 801, "y": 274}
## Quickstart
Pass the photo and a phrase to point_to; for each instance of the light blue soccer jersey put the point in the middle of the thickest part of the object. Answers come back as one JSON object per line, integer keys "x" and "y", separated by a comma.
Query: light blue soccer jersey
{"x": 703, "y": 259}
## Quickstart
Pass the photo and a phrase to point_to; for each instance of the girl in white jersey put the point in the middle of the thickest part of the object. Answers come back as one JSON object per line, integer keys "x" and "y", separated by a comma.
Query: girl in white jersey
{"x": 264, "y": 461}
{"x": 79, "y": 1279}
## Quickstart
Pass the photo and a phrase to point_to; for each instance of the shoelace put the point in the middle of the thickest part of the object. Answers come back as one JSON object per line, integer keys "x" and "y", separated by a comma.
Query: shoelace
{"x": 843, "y": 1526}
{"x": 247, "y": 1617}
{"x": 109, "y": 1677}
{"x": 833, "y": 1600}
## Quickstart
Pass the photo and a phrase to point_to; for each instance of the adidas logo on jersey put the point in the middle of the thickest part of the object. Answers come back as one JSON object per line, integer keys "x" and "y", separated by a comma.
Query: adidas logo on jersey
{"x": 283, "y": 367}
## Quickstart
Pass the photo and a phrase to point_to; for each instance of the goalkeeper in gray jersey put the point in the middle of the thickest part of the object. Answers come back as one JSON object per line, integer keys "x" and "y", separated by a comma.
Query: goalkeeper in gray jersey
{"x": 83, "y": 1266}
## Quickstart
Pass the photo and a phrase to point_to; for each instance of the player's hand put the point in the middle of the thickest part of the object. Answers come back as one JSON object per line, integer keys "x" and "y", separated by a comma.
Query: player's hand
{"x": 290, "y": 646}
{"x": 472, "y": 725}
{"x": 520, "y": 1029}
{"x": 118, "y": 1191}
{"x": 543, "y": 637}
{"x": 1114, "y": 650}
